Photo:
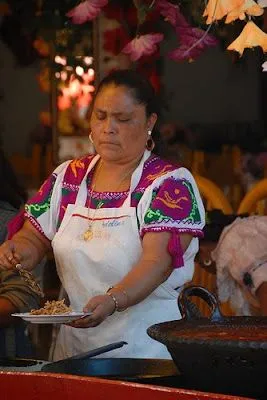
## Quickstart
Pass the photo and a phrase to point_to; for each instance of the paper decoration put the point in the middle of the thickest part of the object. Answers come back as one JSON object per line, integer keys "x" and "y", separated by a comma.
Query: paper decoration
{"x": 217, "y": 9}
{"x": 249, "y": 7}
{"x": 251, "y": 36}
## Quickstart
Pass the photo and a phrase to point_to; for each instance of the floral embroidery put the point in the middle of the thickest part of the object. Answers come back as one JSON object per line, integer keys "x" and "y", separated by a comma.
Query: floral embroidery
{"x": 173, "y": 204}
{"x": 76, "y": 164}
{"x": 158, "y": 173}
{"x": 194, "y": 216}
{"x": 37, "y": 209}
{"x": 175, "y": 201}
{"x": 40, "y": 203}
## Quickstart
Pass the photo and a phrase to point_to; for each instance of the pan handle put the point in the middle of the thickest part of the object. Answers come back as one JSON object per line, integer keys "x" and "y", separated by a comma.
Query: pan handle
{"x": 98, "y": 351}
{"x": 190, "y": 311}
{"x": 91, "y": 353}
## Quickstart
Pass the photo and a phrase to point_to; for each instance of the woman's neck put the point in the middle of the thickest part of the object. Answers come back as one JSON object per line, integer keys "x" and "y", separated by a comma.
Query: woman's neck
{"x": 111, "y": 176}
{"x": 119, "y": 168}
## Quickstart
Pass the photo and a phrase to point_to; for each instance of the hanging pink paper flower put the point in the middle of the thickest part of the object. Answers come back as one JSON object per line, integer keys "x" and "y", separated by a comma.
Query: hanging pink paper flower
{"x": 193, "y": 41}
{"x": 183, "y": 53}
{"x": 217, "y": 9}
{"x": 143, "y": 45}
{"x": 251, "y": 36}
{"x": 249, "y": 7}
{"x": 86, "y": 10}
{"x": 170, "y": 12}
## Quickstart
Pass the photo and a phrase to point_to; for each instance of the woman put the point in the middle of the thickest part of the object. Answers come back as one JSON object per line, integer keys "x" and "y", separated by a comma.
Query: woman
{"x": 15, "y": 294}
{"x": 124, "y": 226}
{"x": 241, "y": 262}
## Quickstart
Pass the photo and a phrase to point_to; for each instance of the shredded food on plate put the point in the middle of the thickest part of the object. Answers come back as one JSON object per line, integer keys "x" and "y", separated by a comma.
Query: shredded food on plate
{"x": 52, "y": 307}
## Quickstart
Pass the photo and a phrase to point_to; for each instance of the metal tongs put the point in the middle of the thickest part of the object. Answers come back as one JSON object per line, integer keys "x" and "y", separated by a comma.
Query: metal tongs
{"x": 30, "y": 280}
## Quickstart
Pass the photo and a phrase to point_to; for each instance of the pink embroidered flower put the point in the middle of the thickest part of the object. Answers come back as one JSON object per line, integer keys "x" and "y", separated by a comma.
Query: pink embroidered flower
{"x": 142, "y": 45}
{"x": 86, "y": 10}
{"x": 173, "y": 200}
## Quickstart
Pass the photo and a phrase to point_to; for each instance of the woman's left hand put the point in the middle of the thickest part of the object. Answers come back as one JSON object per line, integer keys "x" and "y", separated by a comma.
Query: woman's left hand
{"x": 101, "y": 307}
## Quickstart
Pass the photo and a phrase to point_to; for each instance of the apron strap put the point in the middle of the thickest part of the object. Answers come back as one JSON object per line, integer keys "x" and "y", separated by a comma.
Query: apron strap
{"x": 136, "y": 176}
{"x": 82, "y": 192}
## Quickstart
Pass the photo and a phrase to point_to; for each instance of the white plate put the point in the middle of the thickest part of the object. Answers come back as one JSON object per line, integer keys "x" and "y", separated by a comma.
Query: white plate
{"x": 51, "y": 319}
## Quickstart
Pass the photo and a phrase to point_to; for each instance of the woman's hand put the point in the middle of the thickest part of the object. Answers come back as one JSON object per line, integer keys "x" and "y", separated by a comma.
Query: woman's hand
{"x": 101, "y": 307}
{"x": 9, "y": 257}
{"x": 27, "y": 247}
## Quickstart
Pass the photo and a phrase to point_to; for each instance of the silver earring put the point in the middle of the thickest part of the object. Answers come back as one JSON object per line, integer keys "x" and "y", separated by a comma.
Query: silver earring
{"x": 91, "y": 138}
{"x": 150, "y": 144}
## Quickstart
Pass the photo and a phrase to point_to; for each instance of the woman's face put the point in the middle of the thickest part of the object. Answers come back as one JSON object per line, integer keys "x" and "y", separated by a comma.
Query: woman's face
{"x": 119, "y": 125}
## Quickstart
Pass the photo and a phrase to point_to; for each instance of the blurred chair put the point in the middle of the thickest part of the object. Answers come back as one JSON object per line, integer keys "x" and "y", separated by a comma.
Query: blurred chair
{"x": 212, "y": 195}
{"x": 254, "y": 201}
{"x": 198, "y": 163}
{"x": 223, "y": 169}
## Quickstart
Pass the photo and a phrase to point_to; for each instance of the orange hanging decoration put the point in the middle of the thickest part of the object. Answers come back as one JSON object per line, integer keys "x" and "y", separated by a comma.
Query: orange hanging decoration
{"x": 250, "y": 7}
{"x": 217, "y": 9}
{"x": 251, "y": 36}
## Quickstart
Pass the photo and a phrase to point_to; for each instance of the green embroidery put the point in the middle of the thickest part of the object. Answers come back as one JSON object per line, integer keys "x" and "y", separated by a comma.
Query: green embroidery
{"x": 194, "y": 215}
{"x": 36, "y": 210}
{"x": 153, "y": 216}
{"x": 100, "y": 203}
{"x": 137, "y": 196}
{"x": 65, "y": 192}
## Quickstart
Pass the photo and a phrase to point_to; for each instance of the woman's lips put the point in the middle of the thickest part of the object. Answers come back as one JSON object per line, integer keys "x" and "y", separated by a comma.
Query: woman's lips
{"x": 109, "y": 143}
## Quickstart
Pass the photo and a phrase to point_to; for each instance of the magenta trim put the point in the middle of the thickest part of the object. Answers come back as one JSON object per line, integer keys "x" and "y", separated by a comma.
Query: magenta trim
{"x": 174, "y": 245}
{"x": 195, "y": 232}
{"x": 176, "y": 251}
{"x": 15, "y": 224}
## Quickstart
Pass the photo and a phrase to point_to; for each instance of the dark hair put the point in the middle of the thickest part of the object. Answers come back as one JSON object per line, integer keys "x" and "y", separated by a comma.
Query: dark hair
{"x": 10, "y": 189}
{"x": 141, "y": 89}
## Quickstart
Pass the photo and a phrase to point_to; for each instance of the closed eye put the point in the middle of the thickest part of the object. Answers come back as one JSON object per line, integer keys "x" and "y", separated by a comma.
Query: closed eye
{"x": 122, "y": 119}
{"x": 100, "y": 116}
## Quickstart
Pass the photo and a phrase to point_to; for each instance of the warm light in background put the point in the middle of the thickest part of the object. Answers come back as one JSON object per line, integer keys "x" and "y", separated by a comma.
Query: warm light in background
{"x": 76, "y": 85}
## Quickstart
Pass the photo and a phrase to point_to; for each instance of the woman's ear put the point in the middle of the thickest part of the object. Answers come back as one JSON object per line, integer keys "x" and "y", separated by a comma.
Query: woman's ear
{"x": 152, "y": 121}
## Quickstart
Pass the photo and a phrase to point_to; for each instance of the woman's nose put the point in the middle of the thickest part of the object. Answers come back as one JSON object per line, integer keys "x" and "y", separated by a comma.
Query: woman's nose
{"x": 109, "y": 125}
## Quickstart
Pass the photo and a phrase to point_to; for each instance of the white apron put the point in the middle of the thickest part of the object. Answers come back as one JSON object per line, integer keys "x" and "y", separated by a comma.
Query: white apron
{"x": 89, "y": 268}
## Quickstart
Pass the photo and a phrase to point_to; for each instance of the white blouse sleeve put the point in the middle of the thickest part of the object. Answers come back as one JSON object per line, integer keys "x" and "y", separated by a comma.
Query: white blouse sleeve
{"x": 172, "y": 203}
{"x": 43, "y": 208}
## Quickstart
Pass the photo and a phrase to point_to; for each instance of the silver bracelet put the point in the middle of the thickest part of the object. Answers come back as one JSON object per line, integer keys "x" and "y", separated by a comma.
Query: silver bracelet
{"x": 115, "y": 302}
{"x": 117, "y": 307}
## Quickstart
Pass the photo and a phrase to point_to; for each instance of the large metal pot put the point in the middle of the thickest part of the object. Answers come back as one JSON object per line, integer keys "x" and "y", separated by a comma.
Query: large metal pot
{"x": 219, "y": 354}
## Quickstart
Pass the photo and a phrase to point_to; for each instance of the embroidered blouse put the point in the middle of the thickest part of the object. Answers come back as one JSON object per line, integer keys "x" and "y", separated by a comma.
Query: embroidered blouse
{"x": 166, "y": 199}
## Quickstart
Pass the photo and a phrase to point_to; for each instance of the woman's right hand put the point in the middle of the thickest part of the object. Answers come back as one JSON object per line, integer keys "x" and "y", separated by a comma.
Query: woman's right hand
{"x": 9, "y": 257}
{"x": 27, "y": 247}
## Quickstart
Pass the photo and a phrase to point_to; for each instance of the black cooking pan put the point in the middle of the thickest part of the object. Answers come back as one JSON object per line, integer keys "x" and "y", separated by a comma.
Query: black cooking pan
{"x": 216, "y": 354}
{"x": 152, "y": 371}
